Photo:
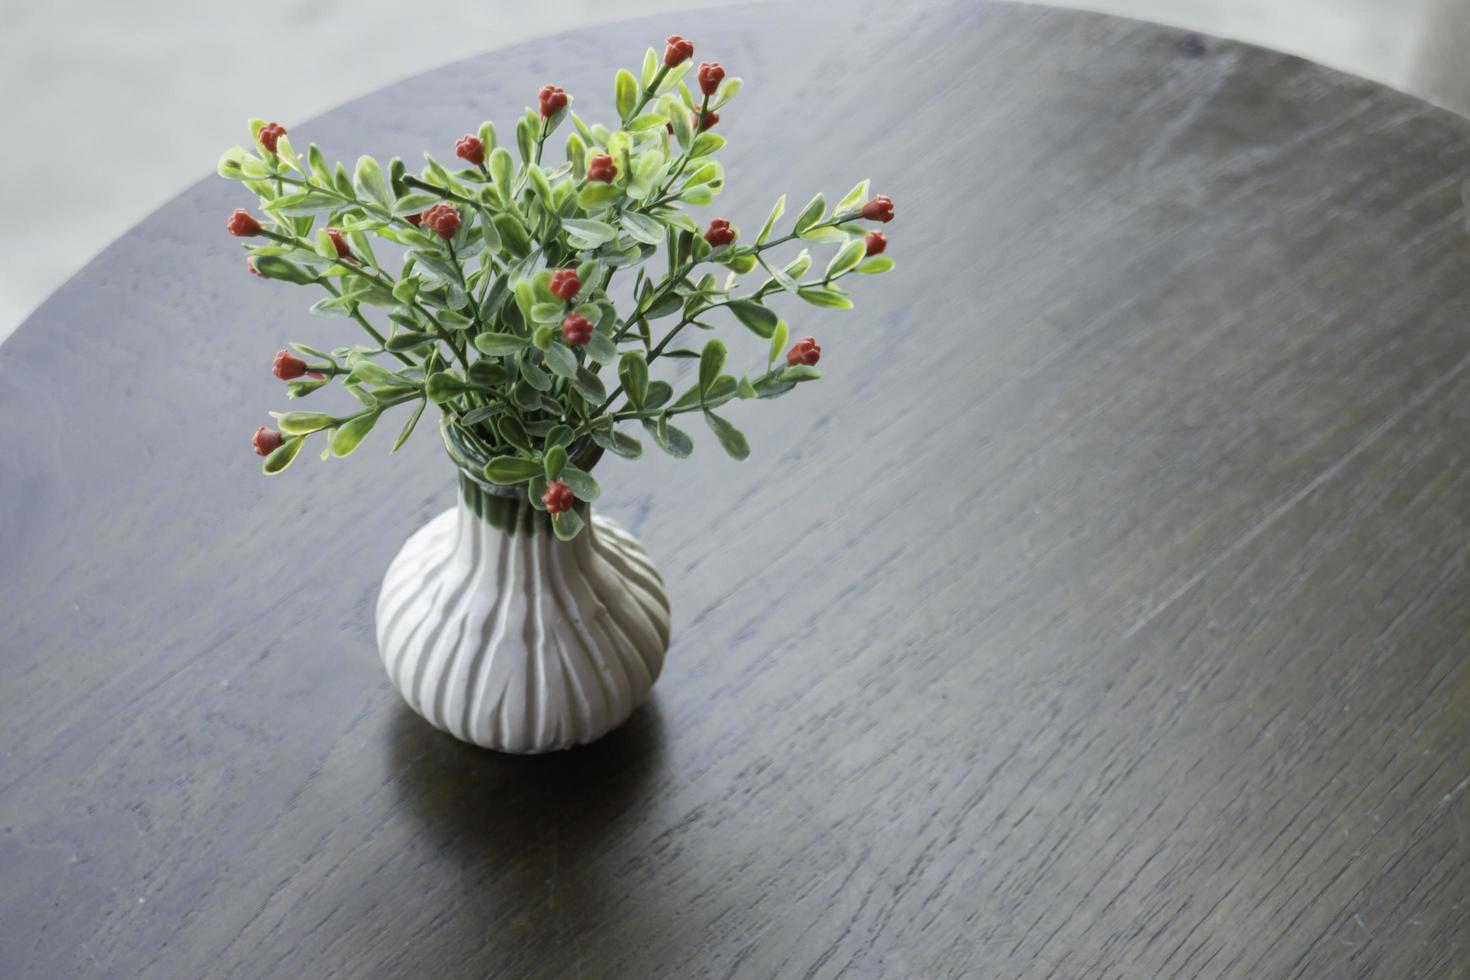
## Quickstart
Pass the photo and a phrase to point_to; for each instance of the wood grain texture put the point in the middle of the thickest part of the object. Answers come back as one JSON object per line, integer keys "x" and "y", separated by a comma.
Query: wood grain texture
{"x": 1102, "y": 614}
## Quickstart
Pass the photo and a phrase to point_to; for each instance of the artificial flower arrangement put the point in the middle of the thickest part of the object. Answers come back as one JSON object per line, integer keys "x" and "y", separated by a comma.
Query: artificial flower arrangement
{"x": 497, "y": 300}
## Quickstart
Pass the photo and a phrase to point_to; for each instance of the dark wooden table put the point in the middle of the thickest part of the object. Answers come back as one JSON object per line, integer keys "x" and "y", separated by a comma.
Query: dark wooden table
{"x": 1103, "y": 613}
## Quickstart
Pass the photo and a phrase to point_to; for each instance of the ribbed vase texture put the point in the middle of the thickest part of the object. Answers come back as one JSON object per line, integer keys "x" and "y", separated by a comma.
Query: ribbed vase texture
{"x": 504, "y": 636}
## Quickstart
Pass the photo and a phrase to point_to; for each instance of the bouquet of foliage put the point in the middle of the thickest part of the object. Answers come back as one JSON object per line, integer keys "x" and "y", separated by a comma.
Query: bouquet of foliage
{"x": 498, "y": 298}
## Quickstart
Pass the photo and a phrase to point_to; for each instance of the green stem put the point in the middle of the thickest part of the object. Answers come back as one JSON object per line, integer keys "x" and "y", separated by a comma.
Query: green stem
{"x": 443, "y": 192}
{"x": 653, "y": 85}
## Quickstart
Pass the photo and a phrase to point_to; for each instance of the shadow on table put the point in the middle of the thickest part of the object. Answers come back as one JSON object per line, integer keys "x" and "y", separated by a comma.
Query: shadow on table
{"x": 526, "y": 853}
{"x": 461, "y": 792}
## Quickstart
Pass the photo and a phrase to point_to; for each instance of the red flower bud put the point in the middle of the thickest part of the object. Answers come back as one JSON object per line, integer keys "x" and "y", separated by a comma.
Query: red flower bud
{"x": 564, "y": 283}
{"x": 553, "y": 100}
{"x": 804, "y": 351}
{"x": 577, "y": 329}
{"x": 471, "y": 149}
{"x": 242, "y": 224}
{"x": 288, "y": 367}
{"x": 710, "y": 77}
{"x": 442, "y": 220}
{"x": 879, "y": 208}
{"x": 719, "y": 233}
{"x": 876, "y": 243}
{"x": 707, "y": 119}
{"x": 266, "y": 441}
{"x": 678, "y": 51}
{"x": 269, "y": 134}
{"x": 558, "y": 497}
{"x": 250, "y": 264}
{"x": 341, "y": 243}
{"x": 414, "y": 219}
{"x": 601, "y": 167}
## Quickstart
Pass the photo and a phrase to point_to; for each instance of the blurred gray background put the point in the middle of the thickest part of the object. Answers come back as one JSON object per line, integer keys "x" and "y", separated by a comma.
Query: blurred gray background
{"x": 109, "y": 109}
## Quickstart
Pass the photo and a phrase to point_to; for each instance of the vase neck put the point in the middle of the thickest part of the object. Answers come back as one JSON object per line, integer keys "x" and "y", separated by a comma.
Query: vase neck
{"x": 510, "y": 512}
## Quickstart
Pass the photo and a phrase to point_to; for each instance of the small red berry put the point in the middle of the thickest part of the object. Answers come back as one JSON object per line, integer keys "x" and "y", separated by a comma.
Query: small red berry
{"x": 242, "y": 224}
{"x": 804, "y": 351}
{"x": 441, "y": 219}
{"x": 266, "y": 441}
{"x": 270, "y": 134}
{"x": 471, "y": 149}
{"x": 719, "y": 233}
{"x": 250, "y": 264}
{"x": 879, "y": 208}
{"x": 679, "y": 50}
{"x": 710, "y": 77}
{"x": 558, "y": 497}
{"x": 707, "y": 119}
{"x": 564, "y": 283}
{"x": 577, "y": 329}
{"x": 288, "y": 367}
{"x": 339, "y": 242}
{"x": 876, "y": 243}
{"x": 602, "y": 168}
{"x": 553, "y": 100}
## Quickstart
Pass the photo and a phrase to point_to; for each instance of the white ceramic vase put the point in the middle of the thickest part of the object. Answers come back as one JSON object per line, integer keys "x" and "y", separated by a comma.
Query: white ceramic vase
{"x": 501, "y": 635}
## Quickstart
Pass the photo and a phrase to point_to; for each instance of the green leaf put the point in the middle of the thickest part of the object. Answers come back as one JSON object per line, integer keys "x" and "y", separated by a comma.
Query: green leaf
{"x": 407, "y": 340}
{"x": 560, "y": 435}
{"x": 349, "y": 436}
{"x": 589, "y": 234}
{"x": 778, "y": 342}
{"x": 589, "y": 386}
{"x": 672, "y": 440}
{"x": 513, "y": 432}
{"x": 301, "y": 423}
{"x": 408, "y": 426}
{"x": 499, "y": 344}
{"x": 811, "y": 214}
{"x": 659, "y": 392}
{"x": 581, "y": 482}
{"x": 616, "y": 442}
{"x": 534, "y": 376}
{"x": 369, "y": 182}
{"x": 633, "y": 372}
{"x": 710, "y": 363}
{"x": 650, "y": 66}
{"x": 776, "y": 211}
{"x": 760, "y": 319}
{"x": 646, "y": 121}
{"x": 873, "y": 266}
{"x": 561, "y": 360}
{"x": 705, "y": 144}
{"x": 598, "y": 195}
{"x": 441, "y": 386}
{"x": 567, "y": 525}
{"x": 601, "y": 348}
{"x": 477, "y": 415}
{"x": 698, "y": 196}
{"x": 853, "y": 198}
{"x": 556, "y": 458}
{"x": 413, "y": 202}
{"x": 847, "y": 258}
{"x": 513, "y": 235}
{"x": 731, "y": 439}
{"x": 625, "y": 93}
{"x": 502, "y": 169}
{"x": 825, "y": 296}
{"x": 800, "y": 372}
{"x": 507, "y": 471}
{"x": 282, "y": 456}
{"x": 682, "y": 120}
{"x": 642, "y": 228}
{"x": 275, "y": 267}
